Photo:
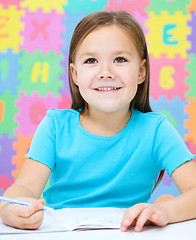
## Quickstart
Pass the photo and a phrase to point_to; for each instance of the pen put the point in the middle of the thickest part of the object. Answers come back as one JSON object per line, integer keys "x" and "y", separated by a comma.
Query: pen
{"x": 12, "y": 200}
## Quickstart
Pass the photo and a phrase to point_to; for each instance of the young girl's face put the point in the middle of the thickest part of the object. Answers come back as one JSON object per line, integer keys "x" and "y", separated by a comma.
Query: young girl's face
{"x": 108, "y": 69}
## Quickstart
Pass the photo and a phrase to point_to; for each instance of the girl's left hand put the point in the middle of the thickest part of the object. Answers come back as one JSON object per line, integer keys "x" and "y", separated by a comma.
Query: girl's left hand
{"x": 144, "y": 214}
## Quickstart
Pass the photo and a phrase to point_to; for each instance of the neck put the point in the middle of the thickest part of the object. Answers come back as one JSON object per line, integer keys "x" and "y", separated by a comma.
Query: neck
{"x": 104, "y": 123}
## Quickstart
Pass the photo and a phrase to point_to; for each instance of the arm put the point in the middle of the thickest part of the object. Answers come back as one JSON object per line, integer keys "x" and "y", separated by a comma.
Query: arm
{"x": 178, "y": 209}
{"x": 28, "y": 186}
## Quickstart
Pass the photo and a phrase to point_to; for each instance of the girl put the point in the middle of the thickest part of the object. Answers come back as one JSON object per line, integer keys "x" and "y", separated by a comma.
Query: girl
{"x": 108, "y": 150}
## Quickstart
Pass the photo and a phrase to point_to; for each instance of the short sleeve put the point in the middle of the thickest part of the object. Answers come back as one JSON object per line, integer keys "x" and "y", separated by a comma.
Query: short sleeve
{"x": 42, "y": 148}
{"x": 169, "y": 149}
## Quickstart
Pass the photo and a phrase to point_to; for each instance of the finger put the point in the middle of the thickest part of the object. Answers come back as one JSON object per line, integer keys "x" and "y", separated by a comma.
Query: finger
{"x": 144, "y": 216}
{"x": 27, "y": 211}
{"x": 42, "y": 201}
{"x": 32, "y": 226}
{"x": 131, "y": 215}
{"x": 32, "y": 222}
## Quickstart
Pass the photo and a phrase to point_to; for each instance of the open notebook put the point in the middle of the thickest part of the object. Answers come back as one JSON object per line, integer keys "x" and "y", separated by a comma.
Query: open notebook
{"x": 71, "y": 219}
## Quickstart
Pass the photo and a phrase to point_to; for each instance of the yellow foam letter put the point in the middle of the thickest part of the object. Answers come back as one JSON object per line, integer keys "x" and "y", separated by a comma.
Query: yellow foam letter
{"x": 166, "y": 79}
{"x": 38, "y": 71}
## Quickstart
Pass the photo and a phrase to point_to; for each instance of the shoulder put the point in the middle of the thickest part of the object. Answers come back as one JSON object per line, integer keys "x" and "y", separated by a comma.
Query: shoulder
{"x": 56, "y": 114}
{"x": 61, "y": 118}
{"x": 148, "y": 118}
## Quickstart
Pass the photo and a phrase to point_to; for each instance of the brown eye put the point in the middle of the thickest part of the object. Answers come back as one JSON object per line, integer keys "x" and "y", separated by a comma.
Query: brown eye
{"x": 120, "y": 60}
{"x": 91, "y": 60}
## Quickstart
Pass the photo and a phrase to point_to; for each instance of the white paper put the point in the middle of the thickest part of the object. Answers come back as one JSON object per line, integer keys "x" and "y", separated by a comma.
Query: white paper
{"x": 70, "y": 219}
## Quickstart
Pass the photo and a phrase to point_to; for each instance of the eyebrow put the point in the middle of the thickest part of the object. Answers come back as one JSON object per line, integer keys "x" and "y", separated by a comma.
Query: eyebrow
{"x": 121, "y": 52}
{"x": 88, "y": 54}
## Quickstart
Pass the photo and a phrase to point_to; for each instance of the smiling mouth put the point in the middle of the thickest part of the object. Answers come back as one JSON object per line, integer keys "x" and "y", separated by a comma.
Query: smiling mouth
{"x": 107, "y": 88}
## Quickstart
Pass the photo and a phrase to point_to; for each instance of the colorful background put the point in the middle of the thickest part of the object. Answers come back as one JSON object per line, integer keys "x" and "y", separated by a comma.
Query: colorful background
{"x": 34, "y": 42}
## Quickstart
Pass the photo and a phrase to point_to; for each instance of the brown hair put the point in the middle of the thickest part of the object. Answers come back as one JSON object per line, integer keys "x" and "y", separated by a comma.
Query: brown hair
{"x": 125, "y": 21}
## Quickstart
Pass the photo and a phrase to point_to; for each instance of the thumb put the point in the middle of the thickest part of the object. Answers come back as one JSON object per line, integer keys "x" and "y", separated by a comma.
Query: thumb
{"x": 38, "y": 204}
{"x": 42, "y": 201}
{"x": 26, "y": 211}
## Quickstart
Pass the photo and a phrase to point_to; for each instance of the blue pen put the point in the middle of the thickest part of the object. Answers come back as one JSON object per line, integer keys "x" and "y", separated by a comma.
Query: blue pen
{"x": 12, "y": 200}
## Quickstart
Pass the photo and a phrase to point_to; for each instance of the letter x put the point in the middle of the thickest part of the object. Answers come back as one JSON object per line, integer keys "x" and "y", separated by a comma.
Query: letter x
{"x": 40, "y": 28}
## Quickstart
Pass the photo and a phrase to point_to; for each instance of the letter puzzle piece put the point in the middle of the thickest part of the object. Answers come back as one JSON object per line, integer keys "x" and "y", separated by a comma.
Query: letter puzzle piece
{"x": 192, "y": 36}
{"x": 70, "y": 22}
{"x": 174, "y": 111}
{"x": 167, "y": 181}
{"x": 42, "y": 31}
{"x": 88, "y": 6}
{"x": 64, "y": 101}
{"x": 164, "y": 192}
{"x": 21, "y": 146}
{"x": 192, "y": 147}
{"x": 190, "y": 123}
{"x": 9, "y": 69}
{"x": 7, "y": 3}
{"x": 64, "y": 76}
{"x": 191, "y": 66}
{"x": 129, "y": 6}
{"x": 46, "y": 5}
{"x": 142, "y": 21}
{"x": 169, "y": 6}
{"x": 10, "y": 27}
{"x": 168, "y": 34}
{"x": 32, "y": 109}
{"x": 168, "y": 77}
{"x": 136, "y": 8}
{"x": 192, "y": 6}
{"x": 164, "y": 198}
{"x": 7, "y": 112}
{"x": 40, "y": 72}
{"x": 6, "y": 152}
{"x": 5, "y": 182}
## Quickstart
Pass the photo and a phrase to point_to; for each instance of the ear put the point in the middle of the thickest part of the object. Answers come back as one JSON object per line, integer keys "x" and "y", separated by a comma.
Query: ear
{"x": 142, "y": 73}
{"x": 74, "y": 73}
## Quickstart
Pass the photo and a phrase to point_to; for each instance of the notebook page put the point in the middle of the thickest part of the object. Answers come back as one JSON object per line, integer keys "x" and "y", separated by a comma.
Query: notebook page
{"x": 77, "y": 218}
{"x": 69, "y": 219}
{"x": 50, "y": 224}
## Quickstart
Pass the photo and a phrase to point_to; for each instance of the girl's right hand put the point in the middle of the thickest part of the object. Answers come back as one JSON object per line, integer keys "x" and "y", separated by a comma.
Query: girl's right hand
{"x": 21, "y": 216}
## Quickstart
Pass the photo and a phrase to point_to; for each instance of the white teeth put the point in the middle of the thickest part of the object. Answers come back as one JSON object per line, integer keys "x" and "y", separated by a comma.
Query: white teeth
{"x": 107, "y": 88}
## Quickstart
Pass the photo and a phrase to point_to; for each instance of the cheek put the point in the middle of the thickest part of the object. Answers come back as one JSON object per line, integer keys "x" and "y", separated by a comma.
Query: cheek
{"x": 131, "y": 78}
{"x": 83, "y": 84}
{"x": 85, "y": 79}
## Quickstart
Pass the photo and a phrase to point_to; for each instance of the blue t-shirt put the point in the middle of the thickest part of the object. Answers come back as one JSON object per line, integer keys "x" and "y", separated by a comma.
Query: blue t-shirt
{"x": 95, "y": 171}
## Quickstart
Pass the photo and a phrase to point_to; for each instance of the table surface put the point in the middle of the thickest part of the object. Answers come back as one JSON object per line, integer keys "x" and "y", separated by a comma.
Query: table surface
{"x": 177, "y": 231}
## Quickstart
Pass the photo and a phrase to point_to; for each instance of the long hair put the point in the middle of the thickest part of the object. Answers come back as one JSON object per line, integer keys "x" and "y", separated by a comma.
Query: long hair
{"x": 127, "y": 22}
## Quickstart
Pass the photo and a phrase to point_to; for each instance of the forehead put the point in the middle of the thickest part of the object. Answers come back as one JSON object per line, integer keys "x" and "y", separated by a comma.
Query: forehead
{"x": 107, "y": 37}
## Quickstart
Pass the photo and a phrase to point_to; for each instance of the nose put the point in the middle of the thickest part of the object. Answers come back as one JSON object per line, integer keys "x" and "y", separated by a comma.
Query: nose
{"x": 105, "y": 73}
{"x": 106, "y": 76}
